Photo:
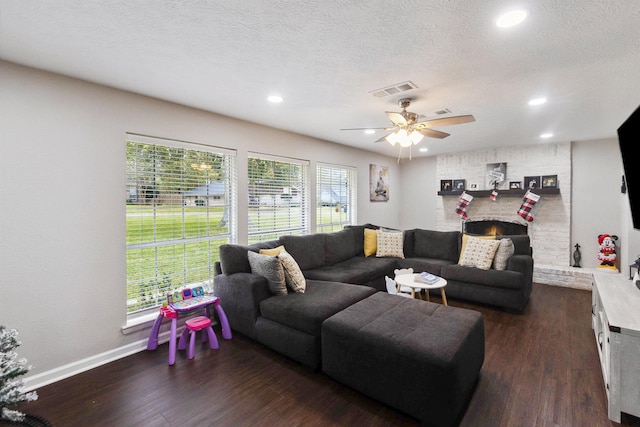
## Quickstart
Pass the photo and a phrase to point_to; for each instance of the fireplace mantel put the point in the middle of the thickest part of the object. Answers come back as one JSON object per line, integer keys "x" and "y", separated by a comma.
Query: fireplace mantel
{"x": 506, "y": 193}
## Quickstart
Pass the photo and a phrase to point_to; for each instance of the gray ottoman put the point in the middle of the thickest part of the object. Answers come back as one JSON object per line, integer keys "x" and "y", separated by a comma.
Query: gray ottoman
{"x": 419, "y": 357}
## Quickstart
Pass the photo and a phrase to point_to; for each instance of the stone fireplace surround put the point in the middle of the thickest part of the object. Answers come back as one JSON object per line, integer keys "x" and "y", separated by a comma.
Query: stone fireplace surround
{"x": 550, "y": 231}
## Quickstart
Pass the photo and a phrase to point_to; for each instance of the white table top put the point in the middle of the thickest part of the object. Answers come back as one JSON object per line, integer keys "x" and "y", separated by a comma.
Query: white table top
{"x": 409, "y": 280}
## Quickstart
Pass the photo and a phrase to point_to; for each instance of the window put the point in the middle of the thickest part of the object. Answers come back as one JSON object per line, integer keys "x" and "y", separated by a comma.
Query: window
{"x": 278, "y": 197}
{"x": 180, "y": 207}
{"x": 336, "y": 197}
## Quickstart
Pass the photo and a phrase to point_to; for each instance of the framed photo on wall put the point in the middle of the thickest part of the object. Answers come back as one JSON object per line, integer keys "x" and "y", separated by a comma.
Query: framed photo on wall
{"x": 549, "y": 181}
{"x": 446, "y": 185}
{"x": 515, "y": 185}
{"x": 496, "y": 175}
{"x": 378, "y": 183}
{"x": 459, "y": 184}
{"x": 531, "y": 182}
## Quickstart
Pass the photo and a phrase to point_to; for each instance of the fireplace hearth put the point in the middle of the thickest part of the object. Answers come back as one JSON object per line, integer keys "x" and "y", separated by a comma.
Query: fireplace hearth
{"x": 494, "y": 227}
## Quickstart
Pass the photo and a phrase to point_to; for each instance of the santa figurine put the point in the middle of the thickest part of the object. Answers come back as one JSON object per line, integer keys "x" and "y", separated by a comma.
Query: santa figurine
{"x": 607, "y": 253}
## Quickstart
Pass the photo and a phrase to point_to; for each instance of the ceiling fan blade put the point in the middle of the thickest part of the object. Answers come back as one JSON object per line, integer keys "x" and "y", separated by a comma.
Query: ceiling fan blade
{"x": 383, "y": 138}
{"x": 432, "y": 133}
{"x": 365, "y": 128}
{"x": 446, "y": 121}
{"x": 396, "y": 118}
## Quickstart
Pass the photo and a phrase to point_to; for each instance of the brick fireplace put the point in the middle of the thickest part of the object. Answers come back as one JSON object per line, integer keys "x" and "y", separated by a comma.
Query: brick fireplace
{"x": 550, "y": 230}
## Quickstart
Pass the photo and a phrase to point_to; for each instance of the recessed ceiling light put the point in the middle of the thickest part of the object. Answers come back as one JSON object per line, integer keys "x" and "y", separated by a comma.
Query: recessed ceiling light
{"x": 370, "y": 131}
{"x": 537, "y": 101}
{"x": 275, "y": 99}
{"x": 423, "y": 150}
{"x": 546, "y": 135}
{"x": 512, "y": 18}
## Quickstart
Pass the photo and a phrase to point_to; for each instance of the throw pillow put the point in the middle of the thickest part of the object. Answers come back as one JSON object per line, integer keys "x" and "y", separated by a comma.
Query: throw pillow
{"x": 504, "y": 252}
{"x": 370, "y": 242}
{"x": 272, "y": 252}
{"x": 270, "y": 268}
{"x": 390, "y": 243}
{"x": 479, "y": 253}
{"x": 292, "y": 274}
{"x": 465, "y": 237}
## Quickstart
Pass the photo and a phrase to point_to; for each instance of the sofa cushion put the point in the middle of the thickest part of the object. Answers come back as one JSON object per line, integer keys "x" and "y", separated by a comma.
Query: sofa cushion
{"x": 419, "y": 265}
{"x": 436, "y": 244}
{"x": 292, "y": 274}
{"x": 233, "y": 258}
{"x": 390, "y": 243}
{"x": 271, "y": 269}
{"x": 473, "y": 276}
{"x": 478, "y": 253}
{"x": 504, "y": 252}
{"x": 341, "y": 245}
{"x": 306, "y": 312}
{"x": 358, "y": 270}
{"x": 308, "y": 251}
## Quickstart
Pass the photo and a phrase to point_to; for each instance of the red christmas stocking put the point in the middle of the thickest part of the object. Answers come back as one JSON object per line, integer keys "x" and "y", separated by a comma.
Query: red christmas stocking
{"x": 528, "y": 202}
{"x": 494, "y": 195}
{"x": 464, "y": 201}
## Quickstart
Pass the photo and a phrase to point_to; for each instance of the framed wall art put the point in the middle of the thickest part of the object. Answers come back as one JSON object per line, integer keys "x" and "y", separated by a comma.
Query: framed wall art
{"x": 459, "y": 184}
{"x": 378, "y": 183}
{"x": 446, "y": 185}
{"x": 531, "y": 182}
{"x": 496, "y": 175}
{"x": 549, "y": 181}
{"x": 515, "y": 185}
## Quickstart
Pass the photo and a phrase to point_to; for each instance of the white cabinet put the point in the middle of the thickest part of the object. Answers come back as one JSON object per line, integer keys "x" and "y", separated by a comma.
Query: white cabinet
{"x": 615, "y": 318}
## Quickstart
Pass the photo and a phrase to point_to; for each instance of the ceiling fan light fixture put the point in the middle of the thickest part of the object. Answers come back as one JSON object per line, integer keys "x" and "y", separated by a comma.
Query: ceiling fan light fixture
{"x": 416, "y": 136}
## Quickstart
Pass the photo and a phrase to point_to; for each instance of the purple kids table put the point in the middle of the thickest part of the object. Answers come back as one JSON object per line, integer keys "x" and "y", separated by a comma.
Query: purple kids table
{"x": 171, "y": 312}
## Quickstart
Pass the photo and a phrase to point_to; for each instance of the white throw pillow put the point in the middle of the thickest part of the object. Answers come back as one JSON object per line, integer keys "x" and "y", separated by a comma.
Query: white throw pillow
{"x": 390, "y": 243}
{"x": 504, "y": 252}
{"x": 479, "y": 253}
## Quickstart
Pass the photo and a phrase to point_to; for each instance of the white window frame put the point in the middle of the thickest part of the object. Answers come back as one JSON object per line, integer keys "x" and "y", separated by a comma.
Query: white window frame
{"x": 180, "y": 210}
{"x": 270, "y": 213}
{"x": 336, "y": 197}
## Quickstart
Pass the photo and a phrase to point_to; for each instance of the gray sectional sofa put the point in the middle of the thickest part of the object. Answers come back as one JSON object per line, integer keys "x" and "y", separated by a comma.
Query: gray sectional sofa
{"x": 335, "y": 269}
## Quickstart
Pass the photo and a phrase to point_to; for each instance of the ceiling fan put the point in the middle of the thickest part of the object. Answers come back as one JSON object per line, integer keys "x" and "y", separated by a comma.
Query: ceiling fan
{"x": 407, "y": 130}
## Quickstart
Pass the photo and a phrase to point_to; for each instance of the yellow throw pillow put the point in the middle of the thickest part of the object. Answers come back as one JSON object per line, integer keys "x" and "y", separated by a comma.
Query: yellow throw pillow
{"x": 272, "y": 252}
{"x": 370, "y": 242}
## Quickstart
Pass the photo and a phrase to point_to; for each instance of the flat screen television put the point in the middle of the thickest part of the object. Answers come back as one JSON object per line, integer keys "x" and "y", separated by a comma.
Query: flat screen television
{"x": 629, "y": 140}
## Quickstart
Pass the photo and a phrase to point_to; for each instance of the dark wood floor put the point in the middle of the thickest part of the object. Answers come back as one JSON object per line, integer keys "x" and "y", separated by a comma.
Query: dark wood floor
{"x": 541, "y": 369}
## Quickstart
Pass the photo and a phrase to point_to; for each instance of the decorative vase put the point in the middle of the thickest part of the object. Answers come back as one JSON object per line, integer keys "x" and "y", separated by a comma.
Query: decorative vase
{"x": 577, "y": 256}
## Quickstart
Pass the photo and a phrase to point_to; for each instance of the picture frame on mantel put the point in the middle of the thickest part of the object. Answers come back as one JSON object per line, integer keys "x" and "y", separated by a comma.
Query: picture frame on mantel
{"x": 446, "y": 185}
{"x": 515, "y": 185}
{"x": 531, "y": 182}
{"x": 459, "y": 184}
{"x": 550, "y": 181}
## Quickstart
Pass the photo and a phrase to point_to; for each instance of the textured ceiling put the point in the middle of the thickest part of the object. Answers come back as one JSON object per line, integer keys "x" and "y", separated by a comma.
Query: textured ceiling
{"x": 326, "y": 57}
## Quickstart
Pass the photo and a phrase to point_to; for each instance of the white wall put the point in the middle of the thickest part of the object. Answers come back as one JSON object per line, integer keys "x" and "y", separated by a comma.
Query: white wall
{"x": 62, "y": 188}
{"x": 62, "y": 216}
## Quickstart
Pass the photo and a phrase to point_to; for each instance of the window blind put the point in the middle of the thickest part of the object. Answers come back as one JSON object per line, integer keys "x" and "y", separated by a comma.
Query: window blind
{"x": 336, "y": 197}
{"x": 180, "y": 207}
{"x": 278, "y": 191}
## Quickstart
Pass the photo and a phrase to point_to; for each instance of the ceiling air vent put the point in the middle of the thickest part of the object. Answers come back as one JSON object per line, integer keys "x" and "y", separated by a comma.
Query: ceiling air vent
{"x": 443, "y": 111}
{"x": 396, "y": 88}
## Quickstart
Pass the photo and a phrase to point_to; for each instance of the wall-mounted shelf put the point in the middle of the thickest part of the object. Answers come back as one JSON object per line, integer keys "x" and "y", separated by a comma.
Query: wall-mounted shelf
{"x": 501, "y": 193}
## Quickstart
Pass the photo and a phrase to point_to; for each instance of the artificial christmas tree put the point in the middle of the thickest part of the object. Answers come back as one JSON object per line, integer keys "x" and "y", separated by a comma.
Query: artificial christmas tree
{"x": 11, "y": 393}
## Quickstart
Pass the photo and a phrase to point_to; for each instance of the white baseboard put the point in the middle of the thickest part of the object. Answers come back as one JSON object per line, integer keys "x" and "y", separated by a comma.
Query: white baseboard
{"x": 40, "y": 380}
